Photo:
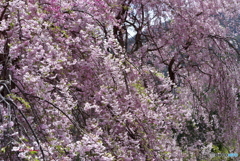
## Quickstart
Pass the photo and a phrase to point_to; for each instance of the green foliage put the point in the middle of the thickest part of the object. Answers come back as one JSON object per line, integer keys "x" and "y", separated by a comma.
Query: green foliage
{"x": 33, "y": 152}
{"x": 139, "y": 87}
{"x": 20, "y": 99}
{"x": 3, "y": 150}
{"x": 219, "y": 148}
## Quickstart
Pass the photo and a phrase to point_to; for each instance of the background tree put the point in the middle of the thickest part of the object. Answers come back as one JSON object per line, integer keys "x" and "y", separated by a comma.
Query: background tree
{"x": 75, "y": 85}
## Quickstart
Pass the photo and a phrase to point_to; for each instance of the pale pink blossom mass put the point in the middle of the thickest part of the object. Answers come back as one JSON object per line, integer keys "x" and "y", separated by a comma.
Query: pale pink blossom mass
{"x": 119, "y": 80}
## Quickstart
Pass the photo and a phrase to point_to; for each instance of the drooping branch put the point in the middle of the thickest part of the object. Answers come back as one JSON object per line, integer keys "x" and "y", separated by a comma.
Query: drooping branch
{"x": 170, "y": 70}
{"x": 3, "y": 12}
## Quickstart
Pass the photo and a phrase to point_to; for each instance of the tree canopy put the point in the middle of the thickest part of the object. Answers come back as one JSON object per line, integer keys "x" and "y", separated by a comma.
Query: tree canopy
{"x": 109, "y": 80}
